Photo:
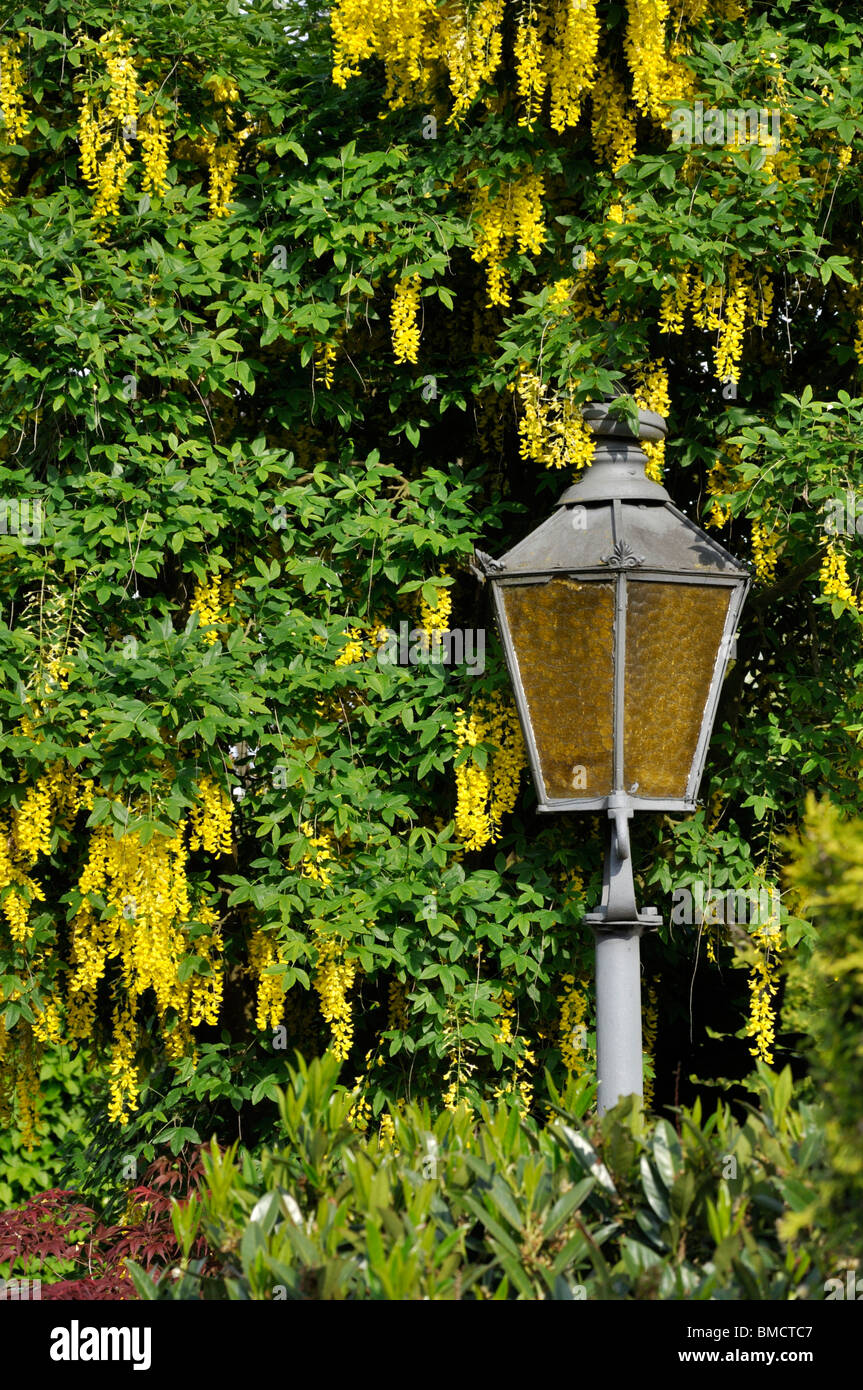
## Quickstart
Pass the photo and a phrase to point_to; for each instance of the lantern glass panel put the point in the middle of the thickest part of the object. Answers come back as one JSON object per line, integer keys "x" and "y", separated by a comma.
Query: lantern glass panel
{"x": 563, "y": 635}
{"x": 673, "y": 632}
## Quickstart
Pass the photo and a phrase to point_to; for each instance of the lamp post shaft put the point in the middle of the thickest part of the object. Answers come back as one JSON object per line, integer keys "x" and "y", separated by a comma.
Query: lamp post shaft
{"x": 618, "y": 1016}
{"x": 617, "y": 927}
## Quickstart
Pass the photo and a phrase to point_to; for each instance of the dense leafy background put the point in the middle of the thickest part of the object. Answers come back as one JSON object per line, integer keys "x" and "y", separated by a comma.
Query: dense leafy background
{"x": 163, "y": 398}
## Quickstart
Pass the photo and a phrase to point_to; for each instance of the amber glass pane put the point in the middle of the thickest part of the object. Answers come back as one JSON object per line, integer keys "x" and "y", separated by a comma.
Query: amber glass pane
{"x": 563, "y": 634}
{"x": 673, "y": 633}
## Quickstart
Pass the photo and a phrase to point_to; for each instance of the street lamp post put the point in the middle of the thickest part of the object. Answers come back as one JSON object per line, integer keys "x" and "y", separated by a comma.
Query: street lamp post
{"x": 617, "y": 616}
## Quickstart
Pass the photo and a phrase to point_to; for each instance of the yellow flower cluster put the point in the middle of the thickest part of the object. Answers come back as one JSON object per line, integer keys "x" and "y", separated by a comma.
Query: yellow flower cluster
{"x": 651, "y": 1019}
{"x": 511, "y": 219}
{"x": 155, "y": 139}
{"x": 13, "y": 107}
{"x": 413, "y": 38}
{"x": 223, "y": 158}
{"x": 222, "y": 151}
{"x": 572, "y": 1037}
{"x": 124, "y": 1077}
{"x": 19, "y": 1081}
{"x": 324, "y": 362}
{"x": 333, "y": 981}
{"x": 518, "y": 1086}
{"x": 315, "y": 865}
{"x": 531, "y": 75}
{"x": 33, "y": 822}
{"x": 717, "y": 485}
{"x": 551, "y": 428}
{"x": 485, "y": 795}
{"x": 555, "y": 46}
{"x": 212, "y": 601}
{"x": 612, "y": 127}
{"x": 674, "y": 302}
{"x": 456, "y": 1078}
{"x": 270, "y": 998}
{"x": 834, "y": 579}
{"x": 434, "y": 620}
{"x": 403, "y": 319}
{"x": 54, "y": 800}
{"x": 571, "y": 60}
{"x": 729, "y": 311}
{"x": 397, "y": 1004}
{"x": 360, "y": 1114}
{"x": 652, "y": 393}
{"x": 469, "y": 42}
{"x": 645, "y": 51}
{"x": 210, "y": 818}
{"x": 103, "y": 132}
{"x": 858, "y": 340}
{"x": 397, "y": 32}
{"x": 353, "y": 650}
{"x": 765, "y": 552}
{"x": 763, "y": 985}
{"x": 144, "y": 929}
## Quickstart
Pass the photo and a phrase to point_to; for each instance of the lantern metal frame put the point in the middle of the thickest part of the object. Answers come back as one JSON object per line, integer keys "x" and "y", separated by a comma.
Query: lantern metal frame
{"x": 616, "y": 479}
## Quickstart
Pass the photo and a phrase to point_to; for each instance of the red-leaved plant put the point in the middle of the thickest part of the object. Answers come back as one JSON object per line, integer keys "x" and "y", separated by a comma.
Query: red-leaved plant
{"x": 58, "y": 1233}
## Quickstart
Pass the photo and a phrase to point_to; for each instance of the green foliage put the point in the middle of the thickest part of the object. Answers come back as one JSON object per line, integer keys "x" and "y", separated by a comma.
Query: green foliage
{"x": 67, "y": 1090}
{"x": 505, "y": 1208}
{"x": 163, "y": 401}
{"x": 827, "y": 869}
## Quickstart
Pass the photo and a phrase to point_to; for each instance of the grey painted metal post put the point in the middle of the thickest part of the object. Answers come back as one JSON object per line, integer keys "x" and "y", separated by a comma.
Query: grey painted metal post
{"x": 617, "y": 926}
{"x": 618, "y": 1016}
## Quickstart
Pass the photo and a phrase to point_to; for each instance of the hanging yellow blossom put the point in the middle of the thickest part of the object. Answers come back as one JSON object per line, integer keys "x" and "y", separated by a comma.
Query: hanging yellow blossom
{"x": 531, "y": 76}
{"x": 222, "y": 150}
{"x": 436, "y": 620}
{"x": 13, "y": 107}
{"x": 644, "y": 47}
{"x": 763, "y": 987}
{"x": 324, "y": 363}
{"x": 403, "y": 319}
{"x": 551, "y": 428}
{"x": 469, "y": 42}
{"x": 613, "y": 124}
{"x": 834, "y": 580}
{"x": 765, "y": 552}
{"x": 674, "y": 302}
{"x": 145, "y": 930}
{"x": 512, "y": 219}
{"x": 210, "y": 818}
{"x": 484, "y": 795}
{"x": 314, "y": 864}
{"x": 155, "y": 139}
{"x": 264, "y": 952}
{"x": 105, "y": 131}
{"x": 718, "y": 483}
{"x": 652, "y": 393}
{"x": 212, "y": 601}
{"x": 571, "y": 59}
{"x": 333, "y": 981}
{"x": 397, "y": 1005}
{"x": 572, "y": 1035}
{"x": 414, "y": 39}
{"x": 519, "y": 1087}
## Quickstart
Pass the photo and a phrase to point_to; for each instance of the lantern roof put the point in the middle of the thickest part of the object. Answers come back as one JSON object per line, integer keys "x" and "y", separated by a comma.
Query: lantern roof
{"x": 616, "y": 517}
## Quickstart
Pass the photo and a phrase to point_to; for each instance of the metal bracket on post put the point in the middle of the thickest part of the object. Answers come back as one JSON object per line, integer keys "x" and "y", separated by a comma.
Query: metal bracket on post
{"x": 618, "y": 907}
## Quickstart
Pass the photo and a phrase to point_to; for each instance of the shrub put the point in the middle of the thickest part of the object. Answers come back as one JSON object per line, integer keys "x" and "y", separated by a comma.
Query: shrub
{"x": 448, "y": 1207}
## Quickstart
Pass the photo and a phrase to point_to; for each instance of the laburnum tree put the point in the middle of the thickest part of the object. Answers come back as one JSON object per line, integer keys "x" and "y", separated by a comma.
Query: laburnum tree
{"x": 300, "y": 304}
